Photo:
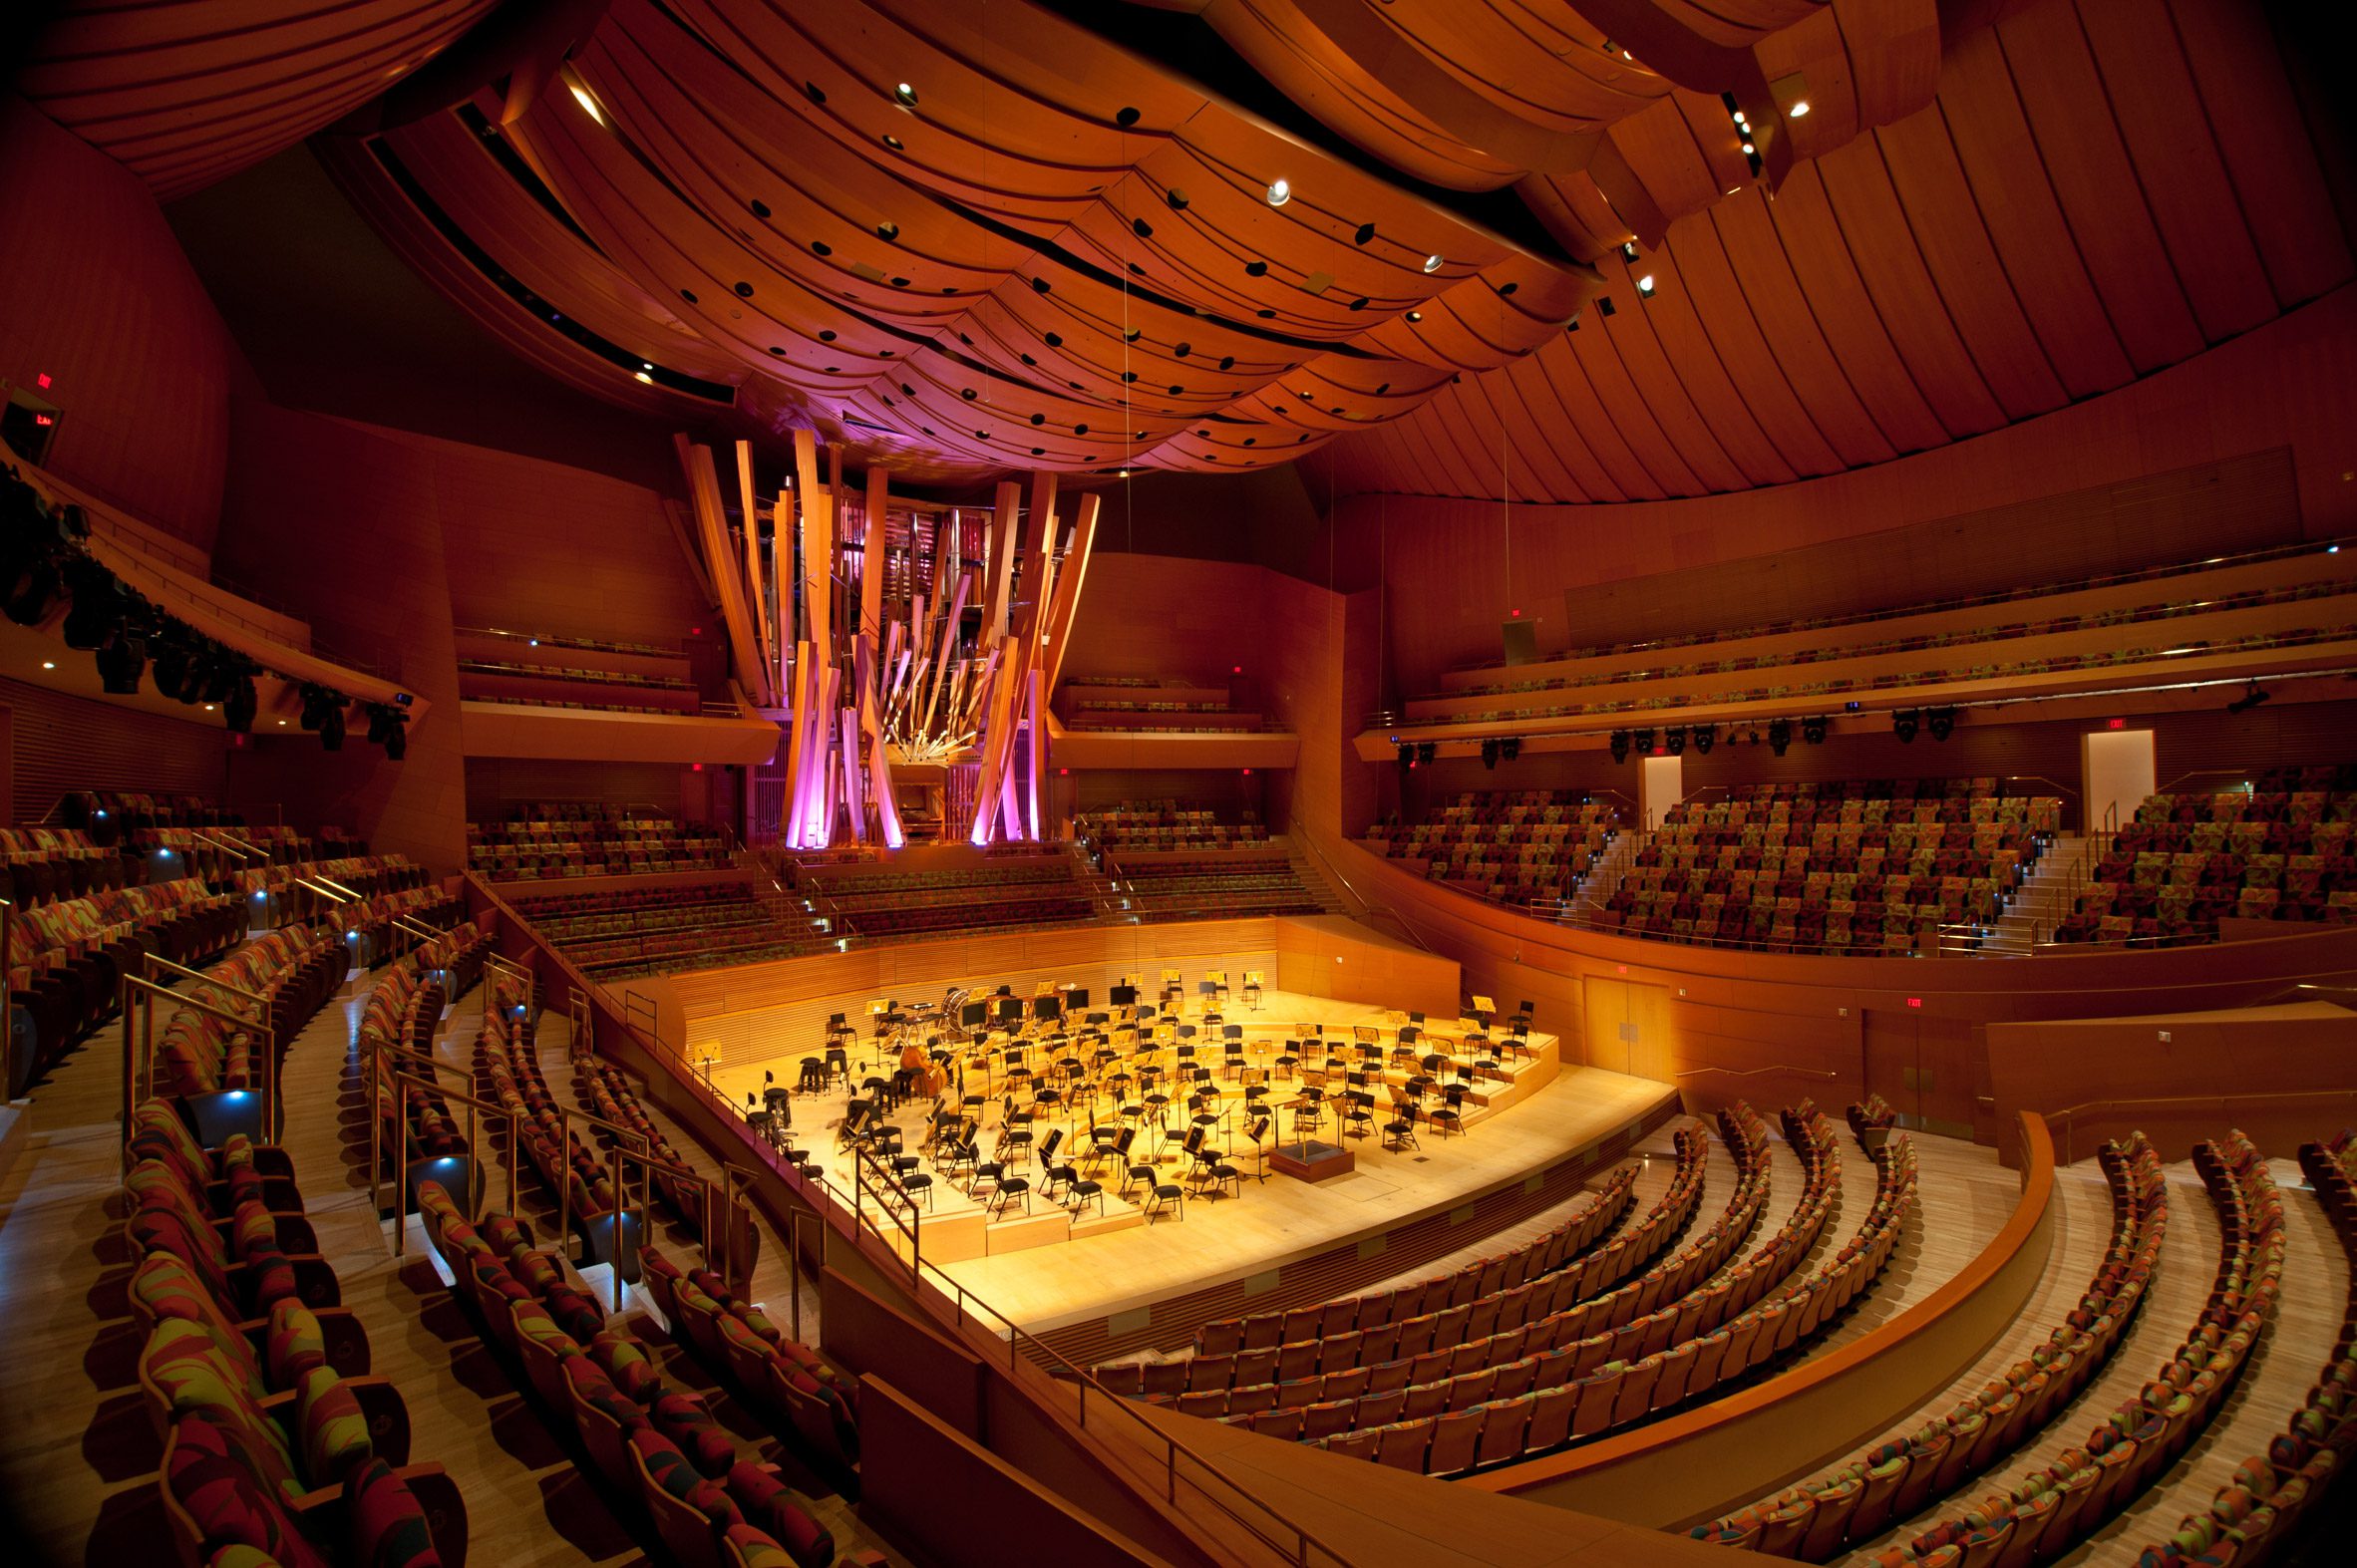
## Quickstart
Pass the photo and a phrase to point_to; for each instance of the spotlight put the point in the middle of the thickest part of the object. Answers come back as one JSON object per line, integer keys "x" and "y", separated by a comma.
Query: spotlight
{"x": 98, "y": 604}
{"x": 1642, "y": 740}
{"x": 1942, "y": 722}
{"x": 1426, "y": 752}
{"x": 318, "y": 703}
{"x": 1676, "y": 741}
{"x": 331, "y": 729}
{"x": 1511, "y": 748}
{"x": 1705, "y": 736}
{"x": 1620, "y": 746}
{"x": 1407, "y": 755}
{"x": 1780, "y": 734}
{"x": 1813, "y": 730}
{"x": 220, "y": 675}
{"x": 239, "y": 708}
{"x": 1489, "y": 754}
{"x": 120, "y": 660}
{"x": 1904, "y": 724}
{"x": 2253, "y": 696}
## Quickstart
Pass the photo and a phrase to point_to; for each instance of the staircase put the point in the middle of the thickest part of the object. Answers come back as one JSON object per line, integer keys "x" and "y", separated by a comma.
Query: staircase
{"x": 2044, "y": 899}
{"x": 1610, "y": 867}
{"x": 1111, "y": 905}
{"x": 1313, "y": 876}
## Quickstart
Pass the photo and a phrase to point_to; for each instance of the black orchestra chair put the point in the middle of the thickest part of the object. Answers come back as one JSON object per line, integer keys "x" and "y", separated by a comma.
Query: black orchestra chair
{"x": 1400, "y": 1131}
{"x": 1289, "y": 1061}
{"x": 1224, "y": 1174}
{"x": 1233, "y": 1067}
{"x": 1105, "y": 1142}
{"x": 1165, "y": 1197}
{"x": 960, "y": 1157}
{"x": 1358, "y": 1120}
{"x": 1082, "y": 1193}
{"x": 1145, "y": 1176}
{"x": 1450, "y": 1118}
{"x": 913, "y": 1184}
{"x": 1006, "y": 1193}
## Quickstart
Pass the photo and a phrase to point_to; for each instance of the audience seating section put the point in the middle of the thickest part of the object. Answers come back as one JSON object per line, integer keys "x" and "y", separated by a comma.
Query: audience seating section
{"x": 1518, "y": 847}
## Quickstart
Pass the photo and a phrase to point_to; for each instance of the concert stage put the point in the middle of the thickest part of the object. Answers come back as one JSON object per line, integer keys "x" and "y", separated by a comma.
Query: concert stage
{"x": 1108, "y": 1279}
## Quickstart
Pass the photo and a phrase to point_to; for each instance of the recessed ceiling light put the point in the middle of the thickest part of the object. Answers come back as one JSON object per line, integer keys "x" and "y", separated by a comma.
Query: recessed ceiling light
{"x": 1629, "y": 249}
{"x": 906, "y": 95}
{"x": 895, "y": 143}
{"x": 581, "y": 96}
{"x": 1748, "y": 147}
{"x": 1432, "y": 263}
{"x": 282, "y": 724}
{"x": 208, "y": 707}
{"x": 1645, "y": 286}
{"x": 1799, "y": 108}
{"x": 1415, "y": 316}
{"x": 643, "y": 375}
{"x": 49, "y": 664}
{"x": 1280, "y": 192}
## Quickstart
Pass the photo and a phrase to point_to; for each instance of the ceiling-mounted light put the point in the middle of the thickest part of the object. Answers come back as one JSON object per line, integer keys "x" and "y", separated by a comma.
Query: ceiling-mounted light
{"x": 1280, "y": 192}
{"x": 904, "y": 95}
{"x": 1645, "y": 286}
{"x": 1414, "y": 316}
{"x": 587, "y": 101}
{"x": 1432, "y": 263}
{"x": 1748, "y": 147}
{"x": 643, "y": 375}
{"x": 1628, "y": 250}
{"x": 1799, "y": 108}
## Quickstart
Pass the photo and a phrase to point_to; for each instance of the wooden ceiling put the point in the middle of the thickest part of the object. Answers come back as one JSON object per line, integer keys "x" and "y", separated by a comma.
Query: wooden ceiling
{"x": 965, "y": 237}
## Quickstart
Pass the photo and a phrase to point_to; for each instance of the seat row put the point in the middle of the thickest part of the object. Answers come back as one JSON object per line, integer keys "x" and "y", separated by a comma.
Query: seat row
{"x": 1479, "y": 1280}
{"x": 66, "y": 960}
{"x": 279, "y": 1448}
{"x": 658, "y": 1446}
{"x": 1480, "y": 1427}
{"x": 1899, "y": 1478}
{"x": 1566, "y": 1312}
{"x": 2052, "y": 1509}
{"x": 281, "y": 979}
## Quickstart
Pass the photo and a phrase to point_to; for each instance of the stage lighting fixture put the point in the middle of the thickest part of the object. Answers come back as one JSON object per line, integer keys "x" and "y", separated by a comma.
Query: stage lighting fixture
{"x": 1780, "y": 734}
{"x": 1407, "y": 755}
{"x": 1904, "y": 723}
{"x": 1705, "y": 736}
{"x": 97, "y": 606}
{"x": 388, "y": 727}
{"x": 331, "y": 727}
{"x": 1642, "y": 740}
{"x": 1675, "y": 740}
{"x": 380, "y": 723}
{"x": 220, "y": 675}
{"x": 1942, "y": 722}
{"x": 120, "y": 660}
{"x": 1489, "y": 754}
{"x": 1426, "y": 752}
{"x": 2252, "y": 697}
{"x": 318, "y": 701}
{"x": 239, "y": 707}
{"x": 1620, "y": 746}
{"x": 1813, "y": 730}
{"x": 1511, "y": 748}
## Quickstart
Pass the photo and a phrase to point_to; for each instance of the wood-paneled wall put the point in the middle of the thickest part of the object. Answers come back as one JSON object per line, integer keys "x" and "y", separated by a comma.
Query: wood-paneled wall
{"x": 1449, "y": 581}
{"x": 538, "y": 546}
{"x": 494, "y": 785}
{"x": 57, "y": 743}
{"x": 344, "y": 525}
{"x": 100, "y": 299}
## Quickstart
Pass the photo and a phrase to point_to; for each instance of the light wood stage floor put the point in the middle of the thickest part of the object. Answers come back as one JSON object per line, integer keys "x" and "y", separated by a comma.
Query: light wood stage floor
{"x": 1046, "y": 1271}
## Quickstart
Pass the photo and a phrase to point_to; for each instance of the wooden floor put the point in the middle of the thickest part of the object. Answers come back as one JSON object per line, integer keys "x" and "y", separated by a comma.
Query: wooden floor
{"x": 77, "y": 1452}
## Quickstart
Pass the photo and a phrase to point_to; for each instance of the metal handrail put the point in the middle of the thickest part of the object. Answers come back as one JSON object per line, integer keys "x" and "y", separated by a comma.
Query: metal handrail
{"x": 1777, "y": 1066}
{"x": 476, "y": 1107}
{"x": 157, "y": 960}
{"x": 2069, "y": 1114}
{"x": 138, "y": 1082}
{"x": 1309, "y": 841}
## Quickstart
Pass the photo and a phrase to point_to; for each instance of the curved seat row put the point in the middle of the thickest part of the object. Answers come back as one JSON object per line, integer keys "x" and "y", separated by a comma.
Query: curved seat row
{"x": 2052, "y": 1509}
{"x": 1899, "y": 1478}
{"x": 1458, "y": 1374}
{"x": 657, "y": 1445}
{"x": 1476, "y": 1281}
{"x": 1548, "y": 1310}
{"x": 1642, "y": 1374}
{"x": 606, "y": 1090}
{"x": 293, "y": 971}
{"x": 67, "y": 959}
{"x": 278, "y": 1446}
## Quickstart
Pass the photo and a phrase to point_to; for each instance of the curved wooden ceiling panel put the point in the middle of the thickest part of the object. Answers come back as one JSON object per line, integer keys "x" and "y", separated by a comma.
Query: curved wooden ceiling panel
{"x": 966, "y": 250}
{"x": 186, "y": 92}
{"x": 2096, "y": 190}
{"x": 1795, "y": 236}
